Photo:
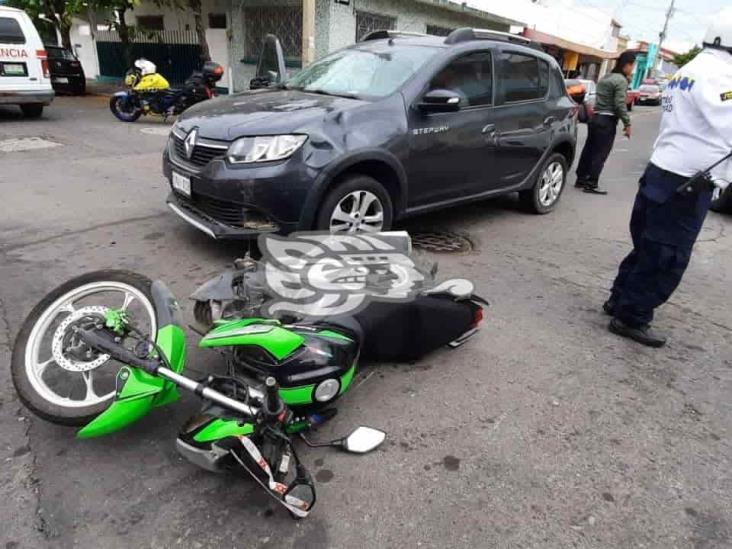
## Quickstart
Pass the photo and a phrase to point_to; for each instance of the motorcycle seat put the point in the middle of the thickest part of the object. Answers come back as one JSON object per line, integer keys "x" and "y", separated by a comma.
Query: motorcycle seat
{"x": 343, "y": 323}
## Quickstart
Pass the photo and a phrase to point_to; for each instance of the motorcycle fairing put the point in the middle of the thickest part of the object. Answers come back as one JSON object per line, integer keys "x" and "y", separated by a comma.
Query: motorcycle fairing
{"x": 137, "y": 391}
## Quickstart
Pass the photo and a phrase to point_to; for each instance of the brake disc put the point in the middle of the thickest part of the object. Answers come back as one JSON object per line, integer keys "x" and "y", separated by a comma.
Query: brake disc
{"x": 61, "y": 339}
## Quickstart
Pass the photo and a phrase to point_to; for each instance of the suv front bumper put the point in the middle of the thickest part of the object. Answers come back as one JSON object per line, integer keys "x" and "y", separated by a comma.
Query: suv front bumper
{"x": 214, "y": 228}
{"x": 226, "y": 202}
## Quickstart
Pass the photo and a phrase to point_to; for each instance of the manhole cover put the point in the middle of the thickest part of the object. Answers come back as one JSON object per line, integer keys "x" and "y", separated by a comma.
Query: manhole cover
{"x": 441, "y": 243}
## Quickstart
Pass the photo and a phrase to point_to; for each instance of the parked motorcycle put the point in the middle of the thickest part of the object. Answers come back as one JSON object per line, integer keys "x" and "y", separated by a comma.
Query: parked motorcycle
{"x": 149, "y": 92}
{"x": 282, "y": 379}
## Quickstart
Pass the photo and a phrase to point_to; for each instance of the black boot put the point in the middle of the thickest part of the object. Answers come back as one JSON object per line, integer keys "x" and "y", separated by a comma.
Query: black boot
{"x": 644, "y": 335}
{"x": 609, "y": 307}
{"x": 592, "y": 188}
{"x": 581, "y": 182}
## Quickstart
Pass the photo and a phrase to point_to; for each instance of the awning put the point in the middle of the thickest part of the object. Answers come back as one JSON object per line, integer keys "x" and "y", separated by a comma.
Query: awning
{"x": 544, "y": 38}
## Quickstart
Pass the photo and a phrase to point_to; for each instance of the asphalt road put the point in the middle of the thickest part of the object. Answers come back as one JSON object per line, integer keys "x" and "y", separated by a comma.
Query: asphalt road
{"x": 543, "y": 431}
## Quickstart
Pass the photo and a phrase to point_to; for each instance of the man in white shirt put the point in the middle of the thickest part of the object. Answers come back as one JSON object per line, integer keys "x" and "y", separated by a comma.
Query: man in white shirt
{"x": 695, "y": 133}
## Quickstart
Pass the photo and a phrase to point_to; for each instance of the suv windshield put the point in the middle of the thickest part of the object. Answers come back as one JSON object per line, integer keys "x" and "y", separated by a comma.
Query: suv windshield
{"x": 373, "y": 73}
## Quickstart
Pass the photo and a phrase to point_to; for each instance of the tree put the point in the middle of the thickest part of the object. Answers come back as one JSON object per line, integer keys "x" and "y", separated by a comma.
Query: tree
{"x": 682, "y": 59}
{"x": 118, "y": 9}
{"x": 58, "y": 12}
{"x": 194, "y": 6}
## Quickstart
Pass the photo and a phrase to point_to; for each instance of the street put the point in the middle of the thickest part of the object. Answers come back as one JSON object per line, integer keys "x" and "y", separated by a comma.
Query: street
{"x": 544, "y": 430}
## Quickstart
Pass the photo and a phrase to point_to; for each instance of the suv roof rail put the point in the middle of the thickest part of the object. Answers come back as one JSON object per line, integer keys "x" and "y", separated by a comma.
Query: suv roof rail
{"x": 381, "y": 34}
{"x": 465, "y": 34}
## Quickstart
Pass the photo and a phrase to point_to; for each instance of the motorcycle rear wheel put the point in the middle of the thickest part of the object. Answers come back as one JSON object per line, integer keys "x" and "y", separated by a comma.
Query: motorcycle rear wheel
{"x": 47, "y": 385}
{"x": 126, "y": 111}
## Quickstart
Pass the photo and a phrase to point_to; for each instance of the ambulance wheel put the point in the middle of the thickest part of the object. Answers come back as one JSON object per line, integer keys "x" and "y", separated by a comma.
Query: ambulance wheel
{"x": 32, "y": 110}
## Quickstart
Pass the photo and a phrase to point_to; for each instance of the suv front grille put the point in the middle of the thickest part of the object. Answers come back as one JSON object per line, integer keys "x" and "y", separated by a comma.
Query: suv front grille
{"x": 233, "y": 215}
{"x": 203, "y": 153}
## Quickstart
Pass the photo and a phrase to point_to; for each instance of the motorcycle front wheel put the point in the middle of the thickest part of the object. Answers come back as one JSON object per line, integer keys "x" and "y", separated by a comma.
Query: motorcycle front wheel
{"x": 124, "y": 108}
{"x": 57, "y": 376}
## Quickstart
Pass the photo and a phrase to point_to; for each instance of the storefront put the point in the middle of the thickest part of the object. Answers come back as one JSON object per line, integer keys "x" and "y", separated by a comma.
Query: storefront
{"x": 576, "y": 60}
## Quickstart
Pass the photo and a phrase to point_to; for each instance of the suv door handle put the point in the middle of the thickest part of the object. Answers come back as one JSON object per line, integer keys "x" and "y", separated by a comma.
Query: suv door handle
{"x": 489, "y": 129}
{"x": 549, "y": 120}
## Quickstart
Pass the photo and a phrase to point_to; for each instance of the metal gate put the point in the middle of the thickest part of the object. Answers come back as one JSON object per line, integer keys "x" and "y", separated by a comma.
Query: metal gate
{"x": 176, "y": 53}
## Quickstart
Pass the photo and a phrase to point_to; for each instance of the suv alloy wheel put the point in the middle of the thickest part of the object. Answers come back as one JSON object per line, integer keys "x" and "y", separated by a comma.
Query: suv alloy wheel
{"x": 358, "y": 204}
{"x": 544, "y": 195}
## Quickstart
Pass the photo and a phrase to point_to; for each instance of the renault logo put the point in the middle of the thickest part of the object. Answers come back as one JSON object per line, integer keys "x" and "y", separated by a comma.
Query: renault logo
{"x": 190, "y": 143}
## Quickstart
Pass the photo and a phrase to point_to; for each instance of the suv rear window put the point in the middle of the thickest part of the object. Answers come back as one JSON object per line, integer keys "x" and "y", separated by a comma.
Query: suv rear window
{"x": 522, "y": 77}
{"x": 10, "y": 31}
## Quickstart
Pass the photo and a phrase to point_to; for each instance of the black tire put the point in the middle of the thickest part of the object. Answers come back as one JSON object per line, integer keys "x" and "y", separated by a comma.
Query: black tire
{"x": 530, "y": 198}
{"x": 27, "y": 393}
{"x": 32, "y": 110}
{"x": 131, "y": 116}
{"x": 723, "y": 202}
{"x": 79, "y": 88}
{"x": 350, "y": 184}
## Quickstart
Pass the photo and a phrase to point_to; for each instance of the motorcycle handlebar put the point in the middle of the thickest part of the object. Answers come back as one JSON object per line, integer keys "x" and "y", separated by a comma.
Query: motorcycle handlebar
{"x": 118, "y": 352}
{"x": 273, "y": 404}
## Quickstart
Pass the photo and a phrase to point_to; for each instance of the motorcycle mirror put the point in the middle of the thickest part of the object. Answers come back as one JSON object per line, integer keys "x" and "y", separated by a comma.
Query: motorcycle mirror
{"x": 301, "y": 496}
{"x": 363, "y": 440}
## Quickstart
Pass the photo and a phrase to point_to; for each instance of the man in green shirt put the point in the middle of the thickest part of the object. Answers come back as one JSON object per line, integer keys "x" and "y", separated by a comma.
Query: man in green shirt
{"x": 610, "y": 106}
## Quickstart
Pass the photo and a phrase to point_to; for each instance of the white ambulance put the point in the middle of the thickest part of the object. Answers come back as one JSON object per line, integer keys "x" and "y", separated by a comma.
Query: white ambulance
{"x": 24, "y": 77}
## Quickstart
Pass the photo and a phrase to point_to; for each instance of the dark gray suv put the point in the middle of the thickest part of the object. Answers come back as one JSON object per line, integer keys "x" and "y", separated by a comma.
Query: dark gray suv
{"x": 393, "y": 126}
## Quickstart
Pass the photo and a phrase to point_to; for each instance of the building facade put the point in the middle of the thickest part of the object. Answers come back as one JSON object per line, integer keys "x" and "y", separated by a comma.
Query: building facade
{"x": 307, "y": 29}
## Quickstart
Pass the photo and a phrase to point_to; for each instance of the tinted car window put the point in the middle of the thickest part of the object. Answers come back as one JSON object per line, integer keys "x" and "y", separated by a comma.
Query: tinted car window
{"x": 470, "y": 76}
{"x": 60, "y": 53}
{"x": 374, "y": 72}
{"x": 10, "y": 31}
{"x": 521, "y": 78}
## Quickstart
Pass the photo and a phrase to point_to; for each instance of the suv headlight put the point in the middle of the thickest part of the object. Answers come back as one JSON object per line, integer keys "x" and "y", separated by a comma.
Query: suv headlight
{"x": 264, "y": 148}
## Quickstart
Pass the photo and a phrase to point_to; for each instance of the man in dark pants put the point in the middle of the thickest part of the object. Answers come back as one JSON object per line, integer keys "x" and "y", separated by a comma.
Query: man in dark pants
{"x": 609, "y": 107}
{"x": 696, "y": 131}
{"x": 601, "y": 133}
{"x": 664, "y": 227}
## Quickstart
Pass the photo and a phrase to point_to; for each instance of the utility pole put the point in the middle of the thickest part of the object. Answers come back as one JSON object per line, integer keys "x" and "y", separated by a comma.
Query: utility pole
{"x": 662, "y": 36}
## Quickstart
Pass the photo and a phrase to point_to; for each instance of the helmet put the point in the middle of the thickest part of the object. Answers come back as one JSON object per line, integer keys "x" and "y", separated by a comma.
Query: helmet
{"x": 719, "y": 33}
{"x": 145, "y": 67}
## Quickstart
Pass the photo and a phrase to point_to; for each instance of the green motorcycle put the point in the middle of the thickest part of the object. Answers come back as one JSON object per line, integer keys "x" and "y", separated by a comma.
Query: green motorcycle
{"x": 281, "y": 378}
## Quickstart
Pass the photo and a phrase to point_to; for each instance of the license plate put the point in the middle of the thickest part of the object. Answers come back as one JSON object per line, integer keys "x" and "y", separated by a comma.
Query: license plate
{"x": 182, "y": 184}
{"x": 14, "y": 69}
{"x": 60, "y": 80}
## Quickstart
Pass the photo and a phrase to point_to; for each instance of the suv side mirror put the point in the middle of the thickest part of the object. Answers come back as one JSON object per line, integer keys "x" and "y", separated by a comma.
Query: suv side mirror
{"x": 440, "y": 101}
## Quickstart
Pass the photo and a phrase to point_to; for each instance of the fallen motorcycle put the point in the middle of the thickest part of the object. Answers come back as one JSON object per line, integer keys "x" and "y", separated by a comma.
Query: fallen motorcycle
{"x": 282, "y": 379}
{"x": 149, "y": 92}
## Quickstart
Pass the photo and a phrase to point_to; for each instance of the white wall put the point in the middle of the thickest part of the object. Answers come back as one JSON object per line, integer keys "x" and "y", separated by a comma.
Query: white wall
{"x": 411, "y": 16}
{"x": 85, "y": 47}
{"x": 177, "y": 19}
{"x": 218, "y": 47}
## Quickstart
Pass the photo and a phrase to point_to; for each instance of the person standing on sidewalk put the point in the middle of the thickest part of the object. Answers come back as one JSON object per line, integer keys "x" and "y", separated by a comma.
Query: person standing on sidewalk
{"x": 610, "y": 106}
{"x": 695, "y": 134}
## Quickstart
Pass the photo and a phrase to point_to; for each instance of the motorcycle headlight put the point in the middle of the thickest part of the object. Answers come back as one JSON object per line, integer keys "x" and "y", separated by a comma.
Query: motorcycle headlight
{"x": 264, "y": 148}
{"x": 327, "y": 390}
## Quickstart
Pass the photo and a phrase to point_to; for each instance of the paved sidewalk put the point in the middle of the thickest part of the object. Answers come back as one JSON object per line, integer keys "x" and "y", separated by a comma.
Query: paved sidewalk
{"x": 96, "y": 87}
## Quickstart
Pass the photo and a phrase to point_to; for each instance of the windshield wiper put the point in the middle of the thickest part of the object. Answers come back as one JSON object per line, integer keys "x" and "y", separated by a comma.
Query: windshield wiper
{"x": 323, "y": 92}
